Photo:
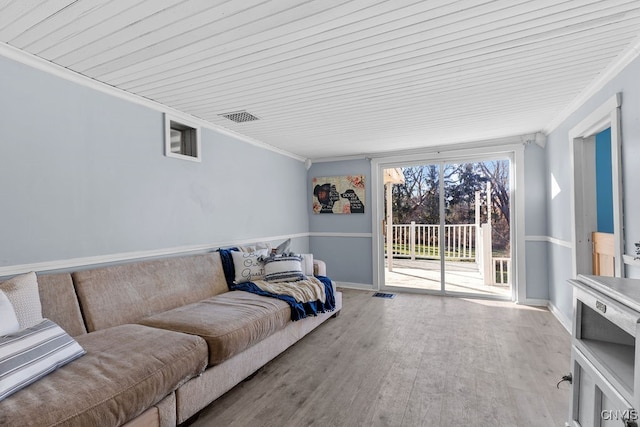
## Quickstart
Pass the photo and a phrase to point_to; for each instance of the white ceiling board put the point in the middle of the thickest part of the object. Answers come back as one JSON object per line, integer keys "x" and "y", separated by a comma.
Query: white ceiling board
{"x": 475, "y": 69}
{"x": 336, "y": 77}
{"x": 110, "y": 34}
{"x": 92, "y": 19}
{"x": 25, "y": 14}
{"x": 302, "y": 36}
{"x": 379, "y": 44}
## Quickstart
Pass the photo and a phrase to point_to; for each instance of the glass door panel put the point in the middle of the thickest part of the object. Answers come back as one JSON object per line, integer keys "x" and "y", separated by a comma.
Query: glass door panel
{"x": 412, "y": 228}
{"x": 477, "y": 228}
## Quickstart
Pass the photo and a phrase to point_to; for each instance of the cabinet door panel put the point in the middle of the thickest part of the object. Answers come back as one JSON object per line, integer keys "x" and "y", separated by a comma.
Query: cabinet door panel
{"x": 584, "y": 396}
{"x": 595, "y": 401}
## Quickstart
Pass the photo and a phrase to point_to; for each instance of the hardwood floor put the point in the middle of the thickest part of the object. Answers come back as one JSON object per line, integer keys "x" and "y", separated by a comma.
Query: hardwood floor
{"x": 415, "y": 360}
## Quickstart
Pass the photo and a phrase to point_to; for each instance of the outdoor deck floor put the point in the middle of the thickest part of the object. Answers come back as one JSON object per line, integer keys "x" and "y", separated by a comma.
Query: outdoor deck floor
{"x": 460, "y": 277}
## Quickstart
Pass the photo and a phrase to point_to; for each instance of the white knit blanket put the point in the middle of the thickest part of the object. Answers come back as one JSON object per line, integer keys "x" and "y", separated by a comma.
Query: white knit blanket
{"x": 308, "y": 290}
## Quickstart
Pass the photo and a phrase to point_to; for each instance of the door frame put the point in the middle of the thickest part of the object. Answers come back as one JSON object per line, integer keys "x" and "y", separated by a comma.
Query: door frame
{"x": 583, "y": 201}
{"x": 513, "y": 150}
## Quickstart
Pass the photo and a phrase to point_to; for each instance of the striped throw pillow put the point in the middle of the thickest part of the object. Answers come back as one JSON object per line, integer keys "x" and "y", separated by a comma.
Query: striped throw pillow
{"x": 30, "y": 354}
{"x": 283, "y": 268}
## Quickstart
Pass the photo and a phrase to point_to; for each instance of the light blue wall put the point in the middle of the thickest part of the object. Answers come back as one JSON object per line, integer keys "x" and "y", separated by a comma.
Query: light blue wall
{"x": 536, "y": 184}
{"x": 536, "y": 270}
{"x": 348, "y": 258}
{"x": 535, "y": 218}
{"x": 628, "y": 84}
{"x": 560, "y": 292}
{"x": 83, "y": 174}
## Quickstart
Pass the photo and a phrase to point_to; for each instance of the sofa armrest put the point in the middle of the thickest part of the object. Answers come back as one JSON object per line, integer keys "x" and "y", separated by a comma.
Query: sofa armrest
{"x": 319, "y": 268}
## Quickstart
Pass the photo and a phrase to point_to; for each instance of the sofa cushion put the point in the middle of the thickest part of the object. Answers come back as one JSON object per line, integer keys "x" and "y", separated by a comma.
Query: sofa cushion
{"x": 126, "y": 293}
{"x": 126, "y": 370}
{"x": 60, "y": 303}
{"x": 229, "y": 322}
{"x": 30, "y": 354}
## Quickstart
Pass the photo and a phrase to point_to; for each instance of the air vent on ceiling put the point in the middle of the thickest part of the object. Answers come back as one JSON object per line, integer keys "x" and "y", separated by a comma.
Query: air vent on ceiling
{"x": 240, "y": 116}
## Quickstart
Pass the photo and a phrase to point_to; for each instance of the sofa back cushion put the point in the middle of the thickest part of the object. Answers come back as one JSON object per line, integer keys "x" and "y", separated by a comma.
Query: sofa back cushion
{"x": 59, "y": 302}
{"x": 126, "y": 293}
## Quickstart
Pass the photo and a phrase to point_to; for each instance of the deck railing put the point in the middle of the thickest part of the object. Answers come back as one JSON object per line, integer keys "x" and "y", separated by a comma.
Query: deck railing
{"x": 422, "y": 241}
{"x": 461, "y": 242}
{"x": 502, "y": 270}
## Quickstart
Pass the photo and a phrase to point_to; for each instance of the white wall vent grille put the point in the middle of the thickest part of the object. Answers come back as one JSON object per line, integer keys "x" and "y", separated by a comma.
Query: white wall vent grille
{"x": 240, "y": 116}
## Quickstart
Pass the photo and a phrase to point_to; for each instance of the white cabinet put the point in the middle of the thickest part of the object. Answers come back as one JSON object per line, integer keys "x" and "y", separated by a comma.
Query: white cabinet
{"x": 604, "y": 355}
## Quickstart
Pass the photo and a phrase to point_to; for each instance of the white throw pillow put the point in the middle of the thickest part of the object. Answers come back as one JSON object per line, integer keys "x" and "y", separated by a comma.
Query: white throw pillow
{"x": 30, "y": 354}
{"x": 8, "y": 320}
{"x": 23, "y": 293}
{"x": 248, "y": 266}
{"x": 307, "y": 264}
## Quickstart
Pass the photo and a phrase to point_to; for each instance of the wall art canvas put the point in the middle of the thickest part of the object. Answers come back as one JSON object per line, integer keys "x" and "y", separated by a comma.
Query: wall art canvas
{"x": 338, "y": 194}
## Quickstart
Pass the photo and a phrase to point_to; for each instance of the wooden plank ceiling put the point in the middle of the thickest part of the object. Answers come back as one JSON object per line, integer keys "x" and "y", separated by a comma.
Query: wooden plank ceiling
{"x": 336, "y": 77}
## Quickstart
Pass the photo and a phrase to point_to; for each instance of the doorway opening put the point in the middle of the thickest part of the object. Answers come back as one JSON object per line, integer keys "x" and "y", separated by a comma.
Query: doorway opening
{"x": 597, "y": 192}
{"x": 447, "y": 227}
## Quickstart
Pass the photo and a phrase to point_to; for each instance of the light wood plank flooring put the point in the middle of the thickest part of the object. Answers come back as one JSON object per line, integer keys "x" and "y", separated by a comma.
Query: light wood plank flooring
{"x": 416, "y": 360}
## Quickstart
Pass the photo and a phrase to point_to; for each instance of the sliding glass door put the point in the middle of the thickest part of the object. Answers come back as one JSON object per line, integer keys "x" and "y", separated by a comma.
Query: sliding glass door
{"x": 447, "y": 228}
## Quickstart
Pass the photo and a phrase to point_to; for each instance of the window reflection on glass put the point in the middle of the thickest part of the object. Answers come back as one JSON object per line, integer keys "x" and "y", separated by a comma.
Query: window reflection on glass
{"x": 176, "y": 141}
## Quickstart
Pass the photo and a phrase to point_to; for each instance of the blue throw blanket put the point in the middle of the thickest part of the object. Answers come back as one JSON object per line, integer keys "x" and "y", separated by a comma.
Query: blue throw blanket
{"x": 299, "y": 310}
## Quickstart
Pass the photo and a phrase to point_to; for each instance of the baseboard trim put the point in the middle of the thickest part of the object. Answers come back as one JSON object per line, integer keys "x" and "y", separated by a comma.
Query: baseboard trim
{"x": 534, "y": 302}
{"x": 351, "y": 285}
{"x": 564, "y": 320}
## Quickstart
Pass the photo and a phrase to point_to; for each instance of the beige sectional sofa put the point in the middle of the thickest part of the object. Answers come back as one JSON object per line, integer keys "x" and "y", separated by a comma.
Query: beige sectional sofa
{"x": 163, "y": 339}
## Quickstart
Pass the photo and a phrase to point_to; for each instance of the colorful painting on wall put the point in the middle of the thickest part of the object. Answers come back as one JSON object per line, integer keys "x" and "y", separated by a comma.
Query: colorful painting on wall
{"x": 338, "y": 194}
